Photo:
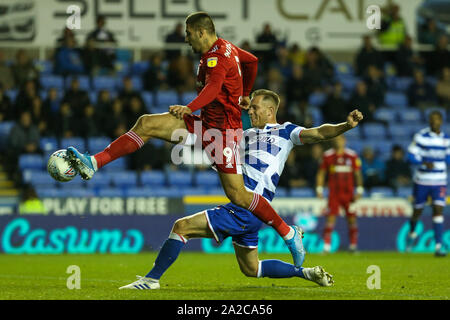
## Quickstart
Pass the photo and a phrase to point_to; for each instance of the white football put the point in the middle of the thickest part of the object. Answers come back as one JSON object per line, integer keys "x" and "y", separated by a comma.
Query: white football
{"x": 59, "y": 167}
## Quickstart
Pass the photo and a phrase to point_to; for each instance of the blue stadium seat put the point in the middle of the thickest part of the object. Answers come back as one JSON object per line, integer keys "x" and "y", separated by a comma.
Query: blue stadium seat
{"x": 281, "y": 192}
{"x": 302, "y": 193}
{"x": 124, "y": 55}
{"x": 5, "y": 128}
{"x": 399, "y": 131}
{"x": 216, "y": 191}
{"x": 410, "y": 115}
{"x": 50, "y": 193}
{"x": 404, "y": 143}
{"x": 153, "y": 178}
{"x": 137, "y": 83}
{"x": 383, "y": 147}
{"x": 356, "y": 145}
{"x": 381, "y": 192}
{"x": 76, "y": 142}
{"x": 38, "y": 177}
{"x": 93, "y": 97}
{"x": 84, "y": 81}
{"x": 348, "y": 82}
{"x": 317, "y": 99}
{"x": 97, "y": 144}
{"x": 316, "y": 114}
{"x": 140, "y": 67}
{"x": 44, "y": 66}
{"x": 402, "y": 83}
{"x": 170, "y": 192}
{"x": 207, "y": 178}
{"x": 101, "y": 179}
{"x": 48, "y": 144}
{"x": 104, "y": 82}
{"x": 116, "y": 165}
{"x": 404, "y": 192}
{"x": 355, "y": 133}
{"x": 124, "y": 178}
{"x": 187, "y": 97}
{"x": 179, "y": 178}
{"x": 48, "y": 81}
{"x": 395, "y": 99}
{"x": 374, "y": 130}
{"x": 75, "y": 183}
{"x": 385, "y": 114}
{"x": 31, "y": 161}
{"x": 167, "y": 98}
{"x": 193, "y": 191}
{"x": 110, "y": 192}
{"x": 81, "y": 193}
{"x": 139, "y": 192}
{"x": 343, "y": 69}
{"x": 148, "y": 100}
{"x": 12, "y": 94}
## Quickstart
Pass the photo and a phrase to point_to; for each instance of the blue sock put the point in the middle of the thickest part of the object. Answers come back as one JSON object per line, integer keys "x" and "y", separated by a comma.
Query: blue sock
{"x": 438, "y": 227}
{"x": 167, "y": 255}
{"x": 279, "y": 269}
{"x": 412, "y": 225}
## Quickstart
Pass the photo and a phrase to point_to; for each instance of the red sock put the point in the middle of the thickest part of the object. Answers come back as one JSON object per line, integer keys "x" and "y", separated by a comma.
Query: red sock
{"x": 261, "y": 208}
{"x": 125, "y": 144}
{"x": 327, "y": 235}
{"x": 353, "y": 235}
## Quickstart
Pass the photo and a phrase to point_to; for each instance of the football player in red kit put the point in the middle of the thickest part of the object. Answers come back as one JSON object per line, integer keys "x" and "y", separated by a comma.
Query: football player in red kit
{"x": 225, "y": 78}
{"x": 343, "y": 167}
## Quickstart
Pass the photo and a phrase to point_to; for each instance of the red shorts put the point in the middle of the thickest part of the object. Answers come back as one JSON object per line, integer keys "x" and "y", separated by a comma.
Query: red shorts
{"x": 221, "y": 146}
{"x": 338, "y": 201}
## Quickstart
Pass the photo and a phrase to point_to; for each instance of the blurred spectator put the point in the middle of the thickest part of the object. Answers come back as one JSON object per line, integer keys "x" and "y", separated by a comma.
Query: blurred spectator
{"x": 64, "y": 123}
{"x": 443, "y": 88}
{"x": 180, "y": 74}
{"x": 144, "y": 158}
{"x": 297, "y": 88}
{"x": 77, "y": 98}
{"x": 300, "y": 114}
{"x": 104, "y": 105}
{"x": 429, "y": 34}
{"x": 420, "y": 92}
{"x": 372, "y": 168}
{"x": 92, "y": 58}
{"x": 245, "y": 45}
{"x": 367, "y": 56}
{"x": 292, "y": 176}
{"x": 52, "y": 102}
{"x": 439, "y": 58}
{"x": 296, "y": 55}
{"x": 41, "y": 117}
{"x": 335, "y": 105}
{"x": 105, "y": 41}
{"x": 393, "y": 27}
{"x": 406, "y": 60}
{"x": 398, "y": 169}
{"x": 155, "y": 76}
{"x": 65, "y": 34}
{"x": 318, "y": 70}
{"x": 269, "y": 38}
{"x": 135, "y": 110}
{"x": 274, "y": 80}
{"x": 128, "y": 93}
{"x": 88, "y": 124}
{"x": 6, "y": 107}
{"x": 68, "y": 59}
{"x": 176, "y": 36}
{"x": 376, "y": 86}
{"x": 361, "y": 100}
{"x": 310, "y": 164}
{"x": 23, "y": 69}
{"x": 6, "y": 74}
{"x": 30, "y": 203}
{"x": 24, "y": 98}
{"x": 115, "y": 117}
{"x": 282, "y": 63}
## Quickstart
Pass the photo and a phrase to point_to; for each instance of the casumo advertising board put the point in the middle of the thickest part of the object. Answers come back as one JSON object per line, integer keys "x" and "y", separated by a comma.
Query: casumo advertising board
{"x": 87, "y": 234}
{"x": 330, "y": 24}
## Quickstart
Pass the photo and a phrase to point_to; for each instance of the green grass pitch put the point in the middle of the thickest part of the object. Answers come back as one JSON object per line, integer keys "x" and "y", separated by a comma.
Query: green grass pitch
{"x": 203, "y": 276}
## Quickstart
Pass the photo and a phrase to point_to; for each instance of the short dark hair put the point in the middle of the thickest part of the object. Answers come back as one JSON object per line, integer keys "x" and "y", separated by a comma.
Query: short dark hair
{"x": 268, "y": 95}
{"x": 201, "y": 20}
{"x": 436, "y": 112}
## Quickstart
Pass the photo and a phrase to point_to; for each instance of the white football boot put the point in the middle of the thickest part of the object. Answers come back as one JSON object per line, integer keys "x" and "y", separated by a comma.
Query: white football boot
{"x": 319, "y": 276}
{"x": 142, "y": 283}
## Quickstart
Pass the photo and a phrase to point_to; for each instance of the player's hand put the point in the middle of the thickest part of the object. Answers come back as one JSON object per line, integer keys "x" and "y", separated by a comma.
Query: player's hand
{"x": 245, "y": 102}
{"x": 179, "y": 111}
{"x": 354, "y": 118}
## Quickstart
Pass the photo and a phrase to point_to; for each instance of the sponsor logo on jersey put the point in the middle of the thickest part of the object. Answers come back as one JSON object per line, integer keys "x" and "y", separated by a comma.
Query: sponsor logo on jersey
{"x": 211, "y": 62}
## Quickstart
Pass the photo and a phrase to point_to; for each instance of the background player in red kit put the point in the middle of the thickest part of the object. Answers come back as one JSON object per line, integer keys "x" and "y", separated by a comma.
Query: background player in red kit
{"x": 225, "y": 78}
{"x": 343, "y": 167}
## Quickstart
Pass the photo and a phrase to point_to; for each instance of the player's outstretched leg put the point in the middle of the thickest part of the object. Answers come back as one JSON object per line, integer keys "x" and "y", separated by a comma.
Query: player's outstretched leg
{"x": 159, "y": 126}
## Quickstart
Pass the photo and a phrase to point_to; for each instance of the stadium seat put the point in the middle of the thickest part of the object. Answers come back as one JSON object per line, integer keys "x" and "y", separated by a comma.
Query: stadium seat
{"x": 123, "y": 68}
{"x": 395, "y": 99}
{"x": 179, "y": 178}
{"x": 317, "y": 99}
{"x": 385, "y": 114}
{"x": 281, "y": 192}
{"x": 48, "y": 81}
{"x": 193, "y": 191}
{"x": 343, "y": 69}
{"x": 51, "y": 193}
{"x": 104, "y": 82}
{"x": 167, "y": 98}
{"x": 75, "y": 183}
{"x": 102, "y": 179}
{"x": 374, "y": 130}
{"x": 400, "y": 84}
{"x": 348, "y": 83}
{"x": 207, "y": 178}
{"x": 383, "y": 147}
{"x": 124, "y": 55}
{"x": 48, "y": 144}
{"x": 302, "y": 192}
{"x": 5, "y": 128}
{"x": 410, "y": 115}
{"x": 355, "y": 133}
{"x": 187, "y": 97}
{"x": 110, "y": 192}
{"x": 404, "y": 192}
{"x": 38, "y": 177}
{"x": 12, "y": 94}
{"x": 148, "y": 100}
{"x": 97, "y": 144}
{"x": 82, "y": 193}
{"x": 356, "y": 145}
{"x": 216, "y": 191}
{"x": 84, "y": 81}
{"x": 44, "y": 66}
{"x": 316, "y": 114}
{"x": 124, "y": 179}
{"x": 170, "y": 192}
{"x": 140, "y": 67}
{"x": 76, "y": 142}
{"x": 381, "y": 192}
{"x": 139, "y": 192}
{"x": 31, "y": 161}
{"x": 116, "y": 165}
{"x": 153, "y": 178}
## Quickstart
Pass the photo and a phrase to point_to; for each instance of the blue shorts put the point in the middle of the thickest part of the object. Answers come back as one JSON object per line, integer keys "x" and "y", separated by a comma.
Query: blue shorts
{"x": 230, "y": 220}
{"x": 421, "y": 193}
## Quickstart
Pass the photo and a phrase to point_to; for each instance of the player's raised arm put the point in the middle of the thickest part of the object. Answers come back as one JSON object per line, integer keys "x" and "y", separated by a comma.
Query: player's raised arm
{"x": 249, "y": 66}
{"x": 329, "y": 131}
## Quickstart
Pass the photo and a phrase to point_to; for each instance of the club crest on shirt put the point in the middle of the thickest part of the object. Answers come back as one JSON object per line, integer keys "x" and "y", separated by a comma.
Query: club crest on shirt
{"x": 211, "y": 62}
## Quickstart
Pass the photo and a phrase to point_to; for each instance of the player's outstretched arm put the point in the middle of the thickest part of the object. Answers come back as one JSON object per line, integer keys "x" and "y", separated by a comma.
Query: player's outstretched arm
{"x": 329, "y": 131}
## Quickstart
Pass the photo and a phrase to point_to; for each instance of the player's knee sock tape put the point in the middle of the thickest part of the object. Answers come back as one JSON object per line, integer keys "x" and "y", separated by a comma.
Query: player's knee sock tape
{"x": 261, "y": 208}
{"x": 125, "y": 144}
{"x": 167, "y": 255}
{"x": 438, "y": 226}
{"x": 278, "y": 269}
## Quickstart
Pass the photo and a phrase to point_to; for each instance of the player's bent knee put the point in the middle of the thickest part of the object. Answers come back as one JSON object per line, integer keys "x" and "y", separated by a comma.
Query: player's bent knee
{"x": 144, "y": 125}
{"x": 181, "y": 227}
{"x": 249, "y": 271}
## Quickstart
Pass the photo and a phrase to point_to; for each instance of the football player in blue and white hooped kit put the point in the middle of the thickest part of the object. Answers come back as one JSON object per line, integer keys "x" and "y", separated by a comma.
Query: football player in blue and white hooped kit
{"x": 430, "y": 151}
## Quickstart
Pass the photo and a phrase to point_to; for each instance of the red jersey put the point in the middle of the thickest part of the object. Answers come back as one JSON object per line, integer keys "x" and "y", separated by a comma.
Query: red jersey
{"x": 224, "y": 75}
{"x": 340, "y": 170}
